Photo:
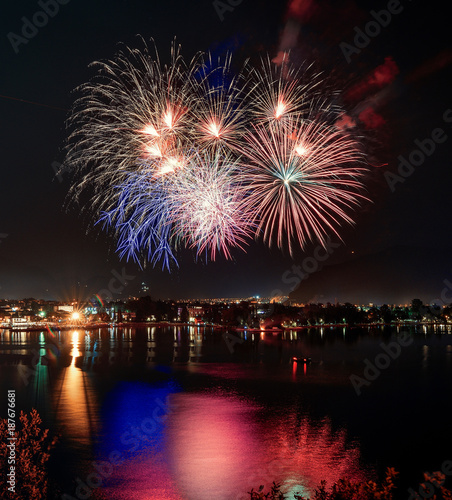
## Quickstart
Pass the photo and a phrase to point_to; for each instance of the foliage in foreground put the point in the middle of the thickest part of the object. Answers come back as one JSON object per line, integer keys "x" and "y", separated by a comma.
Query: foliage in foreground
{"x": 345, "y": 489}
{"x": 32, "y": 452}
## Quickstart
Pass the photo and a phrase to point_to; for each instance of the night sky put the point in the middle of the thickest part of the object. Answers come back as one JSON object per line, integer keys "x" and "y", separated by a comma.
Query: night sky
{"x": 396, "y": 90}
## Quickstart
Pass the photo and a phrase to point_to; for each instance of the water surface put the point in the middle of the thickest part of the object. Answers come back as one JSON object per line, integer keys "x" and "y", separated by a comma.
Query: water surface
{"x": 195, "y": 413}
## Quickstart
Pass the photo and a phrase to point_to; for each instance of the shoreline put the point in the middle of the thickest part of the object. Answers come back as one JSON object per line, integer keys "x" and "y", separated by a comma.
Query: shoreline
{"x": 56, "y": 327}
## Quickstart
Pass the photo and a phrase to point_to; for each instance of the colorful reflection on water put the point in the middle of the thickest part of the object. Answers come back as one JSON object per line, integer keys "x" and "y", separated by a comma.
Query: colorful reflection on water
{"x": 74, "y": 400}
{"x": 202, "y": 446}
{"x": 229, "y": 444}
{"x": 135, "y": 418}
{"x": 165, "y": 417}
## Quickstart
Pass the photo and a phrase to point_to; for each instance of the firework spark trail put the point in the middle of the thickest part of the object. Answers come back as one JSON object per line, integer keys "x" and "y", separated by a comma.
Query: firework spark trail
{"x": 208, "y": 210}
{"x": 194, "y": 155}
{"x": 112, "y": 121}
{"x": 300, "y": 183}
{"x": 223, "y": 111}
{"x": 286, "y": 92}
{"x": 201, "y": 207}
{"x": 139, "y": 220}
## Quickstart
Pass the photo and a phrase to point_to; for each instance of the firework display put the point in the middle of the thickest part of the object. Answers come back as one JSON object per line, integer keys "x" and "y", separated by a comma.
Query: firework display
{"x": 191, "y": 154}
{"x": 303, "y": 177}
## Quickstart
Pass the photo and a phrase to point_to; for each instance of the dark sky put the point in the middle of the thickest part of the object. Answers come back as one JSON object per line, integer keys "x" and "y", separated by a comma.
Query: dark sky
{"x": 396, "y": 89}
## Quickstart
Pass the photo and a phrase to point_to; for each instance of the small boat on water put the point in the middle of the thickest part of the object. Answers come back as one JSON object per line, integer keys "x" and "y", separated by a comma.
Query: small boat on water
{"x": 301, "y": 360}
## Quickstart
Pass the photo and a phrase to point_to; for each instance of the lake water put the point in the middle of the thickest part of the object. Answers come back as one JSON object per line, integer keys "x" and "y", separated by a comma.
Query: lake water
{"x": 199, "y": 414}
